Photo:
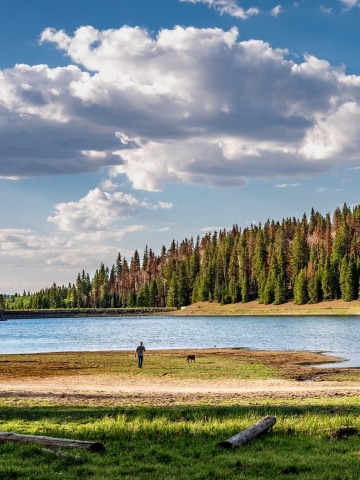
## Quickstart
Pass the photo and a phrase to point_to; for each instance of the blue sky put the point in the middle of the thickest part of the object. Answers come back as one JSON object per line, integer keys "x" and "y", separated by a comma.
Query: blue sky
{"x": 135, "y": 122}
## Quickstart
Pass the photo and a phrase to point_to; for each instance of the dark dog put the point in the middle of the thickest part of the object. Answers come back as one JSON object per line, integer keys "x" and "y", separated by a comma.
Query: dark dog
{"x": 190, "y": 358}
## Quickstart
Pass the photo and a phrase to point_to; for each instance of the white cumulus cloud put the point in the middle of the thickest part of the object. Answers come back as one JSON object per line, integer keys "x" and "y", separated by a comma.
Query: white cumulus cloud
{"x": 229, "y": 7}
{"x": 187, "y": 105}
{"x": 350, "y": 3}
{"x": 98, "y": 211}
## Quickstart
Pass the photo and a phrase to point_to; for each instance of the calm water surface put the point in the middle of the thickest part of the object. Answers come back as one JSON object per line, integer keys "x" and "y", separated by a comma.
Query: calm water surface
{"x": 339, "y": 336}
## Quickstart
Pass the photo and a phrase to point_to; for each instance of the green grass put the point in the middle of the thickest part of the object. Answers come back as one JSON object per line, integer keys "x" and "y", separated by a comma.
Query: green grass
{"x": 205, "y": 368}
{"x": 177, "y": 442}
{"x": 123, "y": 365}
{"x": 180, "y": 442}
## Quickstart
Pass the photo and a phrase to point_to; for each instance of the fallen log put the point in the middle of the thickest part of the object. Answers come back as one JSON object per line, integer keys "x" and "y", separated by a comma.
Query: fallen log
{"x": 260, "y": 427}
{"x": 51, "y": 442}
{"x": 344, "y": 432}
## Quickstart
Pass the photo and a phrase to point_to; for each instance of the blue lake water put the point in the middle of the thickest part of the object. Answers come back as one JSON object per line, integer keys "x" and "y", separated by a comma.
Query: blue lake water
{"x": 339, "y": 336}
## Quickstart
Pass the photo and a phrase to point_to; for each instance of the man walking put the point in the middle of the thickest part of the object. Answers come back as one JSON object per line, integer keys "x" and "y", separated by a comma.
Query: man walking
{"x": 140, "y": 354}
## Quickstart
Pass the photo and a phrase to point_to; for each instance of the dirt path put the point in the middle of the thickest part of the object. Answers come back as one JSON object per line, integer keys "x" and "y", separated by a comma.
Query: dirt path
{"x": 109, "y": 390}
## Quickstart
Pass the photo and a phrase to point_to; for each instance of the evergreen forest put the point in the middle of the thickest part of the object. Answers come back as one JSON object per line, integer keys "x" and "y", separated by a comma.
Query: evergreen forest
{"x": 305, "y": 260}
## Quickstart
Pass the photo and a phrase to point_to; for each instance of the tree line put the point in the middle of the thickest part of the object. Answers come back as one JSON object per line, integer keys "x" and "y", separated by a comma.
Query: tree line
{"x": 306, "y": 260}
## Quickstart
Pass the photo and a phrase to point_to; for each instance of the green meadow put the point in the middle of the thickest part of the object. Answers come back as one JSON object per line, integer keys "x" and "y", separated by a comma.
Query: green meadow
{"x": 178, "y": 441}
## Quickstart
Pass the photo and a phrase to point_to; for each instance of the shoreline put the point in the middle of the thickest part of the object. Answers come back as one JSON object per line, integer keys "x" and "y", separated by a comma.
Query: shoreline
{"x": 252, "y": 308}
{"x": 322, "y": 359}
{"x": 300, "y": 364}
{"x": 111, "y": 378}
{"x": 184, "y": 351}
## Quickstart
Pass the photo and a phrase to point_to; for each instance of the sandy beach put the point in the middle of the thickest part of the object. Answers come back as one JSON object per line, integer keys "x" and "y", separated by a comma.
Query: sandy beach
{"x": 95, "y": 390}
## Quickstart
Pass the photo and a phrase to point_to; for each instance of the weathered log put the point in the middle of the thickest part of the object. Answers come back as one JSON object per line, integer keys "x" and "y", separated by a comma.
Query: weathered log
{"x": 51, "y": 442}
{"x": 260, "y": 427}
{"x": 344, "y": 432}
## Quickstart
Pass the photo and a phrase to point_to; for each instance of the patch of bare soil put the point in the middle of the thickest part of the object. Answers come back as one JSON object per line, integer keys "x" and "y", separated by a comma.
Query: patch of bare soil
{"x": 299, "y": 381}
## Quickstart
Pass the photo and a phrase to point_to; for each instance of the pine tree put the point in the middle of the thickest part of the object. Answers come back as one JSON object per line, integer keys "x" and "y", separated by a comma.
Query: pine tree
{"x": 154, "y": 294}
{"x": 301, "y": 288}
{"x": 348, "y": 280}
{"x": 327, "y": 281}
{"x": 299, "y": 254}
{"x": 172, "y": 299}
{"x": 143, "y": 296}
{"x": 183, "y": 289}
{"x": 194, "y": 266}
{"x": 259, "y": 270}
{"x": 236, "y": 265}
{"x": 280, "y": 294}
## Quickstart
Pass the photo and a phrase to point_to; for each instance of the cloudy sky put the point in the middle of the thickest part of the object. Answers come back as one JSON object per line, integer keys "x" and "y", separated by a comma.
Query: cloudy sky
{"x": 134, "y": 122}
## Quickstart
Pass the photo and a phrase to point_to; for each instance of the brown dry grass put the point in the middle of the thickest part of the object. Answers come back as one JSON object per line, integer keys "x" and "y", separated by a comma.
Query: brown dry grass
{"x": 334, "y": 307}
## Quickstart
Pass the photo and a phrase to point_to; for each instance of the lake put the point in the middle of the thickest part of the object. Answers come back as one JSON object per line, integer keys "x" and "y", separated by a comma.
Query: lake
{"x": 339, "y": 336}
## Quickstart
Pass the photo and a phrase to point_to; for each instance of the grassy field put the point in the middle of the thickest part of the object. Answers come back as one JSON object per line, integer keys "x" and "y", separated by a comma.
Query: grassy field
{"x": 179, "y": 441}
{"x": 211, "y": 364}
{"x": 170, "y": 365}
{"x": 334, "y": 307}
